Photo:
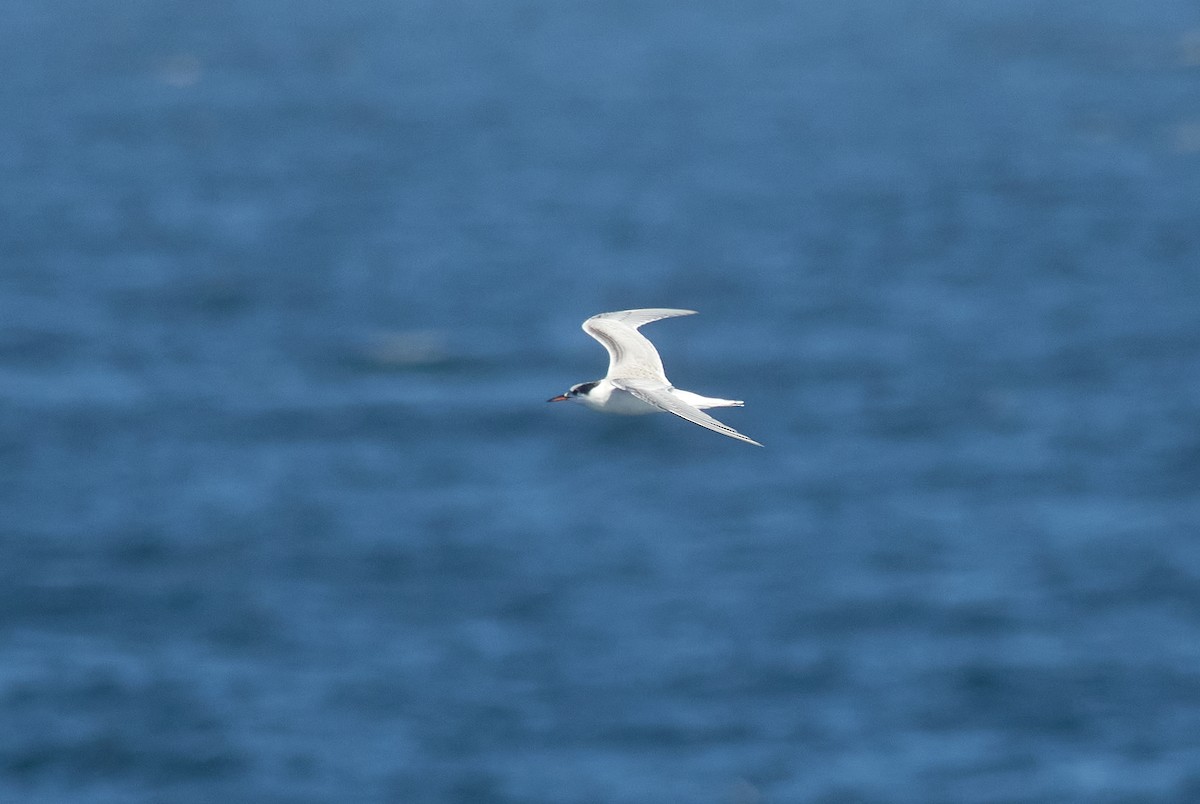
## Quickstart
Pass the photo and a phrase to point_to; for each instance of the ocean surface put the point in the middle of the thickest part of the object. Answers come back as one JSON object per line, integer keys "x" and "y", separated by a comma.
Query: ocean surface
{"x": 284, "y": 516}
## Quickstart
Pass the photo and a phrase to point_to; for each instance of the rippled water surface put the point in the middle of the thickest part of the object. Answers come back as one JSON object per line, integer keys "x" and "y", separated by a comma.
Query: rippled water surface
{"x": 283, "y": 513}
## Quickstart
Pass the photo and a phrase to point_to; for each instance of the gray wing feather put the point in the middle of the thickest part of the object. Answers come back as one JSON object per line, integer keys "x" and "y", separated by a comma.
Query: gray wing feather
{"x": 661, "y": 397}
{"x": 630, "y": 354}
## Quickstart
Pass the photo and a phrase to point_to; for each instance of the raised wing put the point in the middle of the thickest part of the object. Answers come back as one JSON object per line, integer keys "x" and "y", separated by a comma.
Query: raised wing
{"x": 630, "y": 354}
{"x": 661, "y": 397}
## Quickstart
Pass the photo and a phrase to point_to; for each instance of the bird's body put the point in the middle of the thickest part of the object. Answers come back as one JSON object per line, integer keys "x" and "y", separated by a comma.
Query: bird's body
{"x": 607, "y": 397}
{"x": 636, "y": 383}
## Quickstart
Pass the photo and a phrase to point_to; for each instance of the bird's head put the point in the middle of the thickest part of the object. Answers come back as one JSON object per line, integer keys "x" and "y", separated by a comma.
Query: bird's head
{"x": 577, "y": 392}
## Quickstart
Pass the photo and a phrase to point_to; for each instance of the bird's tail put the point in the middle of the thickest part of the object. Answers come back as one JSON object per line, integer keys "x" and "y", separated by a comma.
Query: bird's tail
{"x": 702, "y": 402}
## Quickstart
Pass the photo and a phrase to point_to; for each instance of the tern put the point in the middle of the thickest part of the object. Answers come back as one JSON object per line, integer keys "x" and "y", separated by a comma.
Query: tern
{"x": 636, "y": 382}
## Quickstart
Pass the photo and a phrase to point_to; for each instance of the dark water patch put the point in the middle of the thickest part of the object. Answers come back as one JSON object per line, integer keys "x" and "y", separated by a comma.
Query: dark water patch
{"x": 84, "y": 725}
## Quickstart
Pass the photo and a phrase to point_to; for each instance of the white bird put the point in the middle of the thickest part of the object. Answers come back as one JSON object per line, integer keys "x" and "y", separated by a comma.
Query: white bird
{"x": 636, "y": 383}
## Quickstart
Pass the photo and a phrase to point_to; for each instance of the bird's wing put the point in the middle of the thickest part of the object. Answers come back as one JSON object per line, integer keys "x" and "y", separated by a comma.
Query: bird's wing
{"x": 661, "y": 397}
{"x": 630, "y": 354}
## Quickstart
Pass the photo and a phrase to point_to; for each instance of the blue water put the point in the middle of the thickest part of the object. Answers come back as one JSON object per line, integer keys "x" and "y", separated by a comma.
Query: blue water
{"x": 284, "y": 516}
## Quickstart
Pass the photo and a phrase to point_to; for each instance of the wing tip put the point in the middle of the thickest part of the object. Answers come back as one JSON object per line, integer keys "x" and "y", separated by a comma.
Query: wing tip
{"x": 729, "y": 431}
{"x": 746, "y": 438}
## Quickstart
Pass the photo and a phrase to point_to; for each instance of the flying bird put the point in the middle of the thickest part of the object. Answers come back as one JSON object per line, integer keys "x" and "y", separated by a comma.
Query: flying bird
{"x": 636, "y": 382}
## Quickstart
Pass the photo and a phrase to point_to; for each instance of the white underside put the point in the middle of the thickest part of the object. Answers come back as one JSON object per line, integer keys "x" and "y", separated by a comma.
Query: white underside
{"x": 607, "y": 399}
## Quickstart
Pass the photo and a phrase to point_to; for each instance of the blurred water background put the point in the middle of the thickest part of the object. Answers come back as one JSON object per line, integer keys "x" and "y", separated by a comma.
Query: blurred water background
{"x": 284, "y": 516}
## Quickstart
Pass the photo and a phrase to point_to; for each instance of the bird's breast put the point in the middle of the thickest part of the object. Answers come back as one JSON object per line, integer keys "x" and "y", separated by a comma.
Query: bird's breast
{"x": 622, "y": 403}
